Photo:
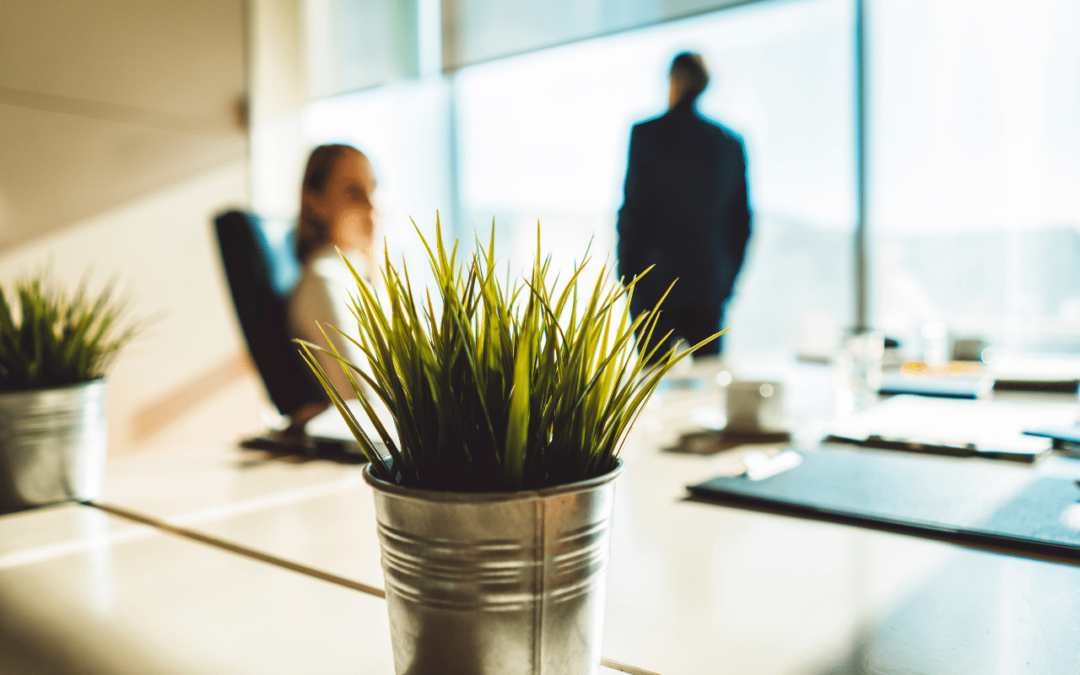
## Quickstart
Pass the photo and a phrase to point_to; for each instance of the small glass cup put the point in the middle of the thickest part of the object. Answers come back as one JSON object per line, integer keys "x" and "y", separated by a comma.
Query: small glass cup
{"x": 857, "y": 373}
{"x": 935, "y": 343}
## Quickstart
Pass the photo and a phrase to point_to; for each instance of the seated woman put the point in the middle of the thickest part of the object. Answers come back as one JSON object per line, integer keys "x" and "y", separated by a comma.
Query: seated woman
{"x": 337, "y": 211}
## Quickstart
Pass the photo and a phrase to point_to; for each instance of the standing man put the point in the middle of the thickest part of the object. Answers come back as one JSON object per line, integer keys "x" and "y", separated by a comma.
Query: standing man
{"x": 685, "y": 212}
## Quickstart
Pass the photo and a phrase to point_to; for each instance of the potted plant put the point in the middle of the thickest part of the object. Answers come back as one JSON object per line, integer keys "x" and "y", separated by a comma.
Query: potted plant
{"x": 494, "y": 502}
{"x": 55, "y": 348}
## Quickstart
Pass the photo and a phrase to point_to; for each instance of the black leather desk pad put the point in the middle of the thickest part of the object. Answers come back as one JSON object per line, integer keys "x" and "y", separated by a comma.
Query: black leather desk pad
{"x": 973, "y": 501}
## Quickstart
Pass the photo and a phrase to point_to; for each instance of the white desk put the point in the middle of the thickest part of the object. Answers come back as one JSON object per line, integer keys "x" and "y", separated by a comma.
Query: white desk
{"x": 123, "y": 599}
{"x": 692, "y": 587}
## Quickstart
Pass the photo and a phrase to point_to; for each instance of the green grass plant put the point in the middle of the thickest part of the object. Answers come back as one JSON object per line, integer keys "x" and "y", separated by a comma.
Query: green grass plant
{"x": 50, "y": 337}
{"x": 493, "y": 386}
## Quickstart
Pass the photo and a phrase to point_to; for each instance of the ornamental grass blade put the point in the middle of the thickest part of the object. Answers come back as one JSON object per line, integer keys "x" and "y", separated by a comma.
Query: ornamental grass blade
{"x": 517, "y": 427}
{"x": 348, "y": 368}
{"x": 366, "y": 446}
{"x": 56, "y": 338}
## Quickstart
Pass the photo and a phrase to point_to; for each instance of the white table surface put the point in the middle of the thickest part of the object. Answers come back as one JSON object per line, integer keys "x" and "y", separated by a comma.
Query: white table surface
{"x": 137, "y": 601}
{"x": 703, "y": 588}
{"x": 692, "y": 587}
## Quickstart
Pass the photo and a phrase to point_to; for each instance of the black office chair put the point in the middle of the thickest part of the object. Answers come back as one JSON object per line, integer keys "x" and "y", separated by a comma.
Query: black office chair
{"x": 261, "y": 265}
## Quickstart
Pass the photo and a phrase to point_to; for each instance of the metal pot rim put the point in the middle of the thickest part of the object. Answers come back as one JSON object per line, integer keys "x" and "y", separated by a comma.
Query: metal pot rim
{"x": 474, "y": 497}
{"x": 88, "y": 384}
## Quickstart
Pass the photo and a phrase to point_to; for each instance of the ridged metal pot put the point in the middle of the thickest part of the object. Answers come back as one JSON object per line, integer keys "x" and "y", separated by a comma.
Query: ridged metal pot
{"x": 52, "y": 445}
{"x": 496, "y": 583}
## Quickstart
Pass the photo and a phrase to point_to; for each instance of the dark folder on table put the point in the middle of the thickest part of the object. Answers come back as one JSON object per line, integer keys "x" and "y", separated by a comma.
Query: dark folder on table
{"x": 1064, "y": 437}
{"x": 971, "y": 501}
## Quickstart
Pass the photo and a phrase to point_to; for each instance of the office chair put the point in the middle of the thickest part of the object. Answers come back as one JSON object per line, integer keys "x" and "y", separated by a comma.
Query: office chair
{"x": 261, "y": 265}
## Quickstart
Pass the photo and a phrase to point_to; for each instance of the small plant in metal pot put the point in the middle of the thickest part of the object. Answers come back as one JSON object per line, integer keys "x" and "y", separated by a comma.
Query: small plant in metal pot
{"x": 55, "y": 349}
{"x": 511, "y": 402}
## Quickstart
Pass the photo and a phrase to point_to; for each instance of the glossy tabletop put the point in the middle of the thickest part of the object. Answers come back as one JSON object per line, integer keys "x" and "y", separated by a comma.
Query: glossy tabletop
{"x": 122, "y": 599}
{"x": 692, "y": 587}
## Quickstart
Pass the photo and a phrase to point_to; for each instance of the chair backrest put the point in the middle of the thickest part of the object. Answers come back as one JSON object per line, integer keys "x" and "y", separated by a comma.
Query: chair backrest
{"x": 261, "y": 266}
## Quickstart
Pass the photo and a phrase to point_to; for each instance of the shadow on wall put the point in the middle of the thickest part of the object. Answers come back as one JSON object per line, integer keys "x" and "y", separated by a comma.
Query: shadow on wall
{"x": 103, "y": 103}
{"x": 60, "y": 169}
{"x": 153, "y": 418}
{"x": 168, "y": 386}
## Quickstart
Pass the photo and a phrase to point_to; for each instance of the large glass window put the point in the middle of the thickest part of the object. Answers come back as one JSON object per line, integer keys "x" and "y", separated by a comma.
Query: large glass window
{"x": 544, "y": 137}
{"x": 975, "y": 169}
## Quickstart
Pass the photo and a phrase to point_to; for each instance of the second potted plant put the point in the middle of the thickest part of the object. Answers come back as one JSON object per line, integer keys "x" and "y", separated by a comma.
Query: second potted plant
{"x": 494, "y": 503}
{"x": 55, "y": 348}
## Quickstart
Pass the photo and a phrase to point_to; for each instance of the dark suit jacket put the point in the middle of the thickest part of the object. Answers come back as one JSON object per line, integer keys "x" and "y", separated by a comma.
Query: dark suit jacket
{"x": 685, "y": 211}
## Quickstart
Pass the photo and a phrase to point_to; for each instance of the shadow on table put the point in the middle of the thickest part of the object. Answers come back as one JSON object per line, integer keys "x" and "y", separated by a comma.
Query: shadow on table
{"x": 983, "y": 613}
{"x": 30, "y": 644}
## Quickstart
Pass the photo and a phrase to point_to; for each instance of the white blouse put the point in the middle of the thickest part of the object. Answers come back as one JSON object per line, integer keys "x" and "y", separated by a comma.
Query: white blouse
{"x": 322, "y": 296}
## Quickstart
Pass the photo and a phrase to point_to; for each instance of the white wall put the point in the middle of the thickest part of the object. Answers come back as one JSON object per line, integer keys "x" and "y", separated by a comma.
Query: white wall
{"x": 277, "y": 93}
{"x": 184, "y": 379}
{"x": 123, "y": 132}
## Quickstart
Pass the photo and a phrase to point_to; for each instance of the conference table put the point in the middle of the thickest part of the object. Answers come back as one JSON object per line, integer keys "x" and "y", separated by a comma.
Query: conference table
{"x": 212, "y": 559}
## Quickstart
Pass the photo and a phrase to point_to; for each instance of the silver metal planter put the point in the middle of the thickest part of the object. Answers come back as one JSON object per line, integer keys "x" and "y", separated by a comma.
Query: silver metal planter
{"x": 52, "y": 445}
{"x": 496, "y": 583}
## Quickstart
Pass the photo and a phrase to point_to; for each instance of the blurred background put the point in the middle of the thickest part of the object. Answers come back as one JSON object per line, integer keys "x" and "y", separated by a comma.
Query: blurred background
{"x": 911, "y": 162}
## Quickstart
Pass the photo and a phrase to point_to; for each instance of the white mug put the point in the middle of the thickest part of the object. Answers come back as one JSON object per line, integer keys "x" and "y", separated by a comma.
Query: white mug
{"x": 755, "y": 407}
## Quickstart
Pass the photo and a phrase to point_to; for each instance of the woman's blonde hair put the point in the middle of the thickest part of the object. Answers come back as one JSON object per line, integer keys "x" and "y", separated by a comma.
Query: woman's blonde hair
{"x": 313, "y": 231}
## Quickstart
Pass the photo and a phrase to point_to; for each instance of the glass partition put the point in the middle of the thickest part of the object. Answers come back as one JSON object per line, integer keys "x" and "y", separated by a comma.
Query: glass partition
{"x": 975, "y": 170}
{"x": 480, "y": 30}
{"x": 544, "y": 137}
{"x": 353, "y": 44}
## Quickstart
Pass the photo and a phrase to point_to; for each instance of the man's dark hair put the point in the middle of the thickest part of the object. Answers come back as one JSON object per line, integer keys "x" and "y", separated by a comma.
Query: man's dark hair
{"x": 691, "y": 74}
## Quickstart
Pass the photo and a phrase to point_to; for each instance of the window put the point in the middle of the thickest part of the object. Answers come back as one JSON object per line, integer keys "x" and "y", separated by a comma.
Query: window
{"x": 544, "y": 137}
{"x": 974, "y": 173}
